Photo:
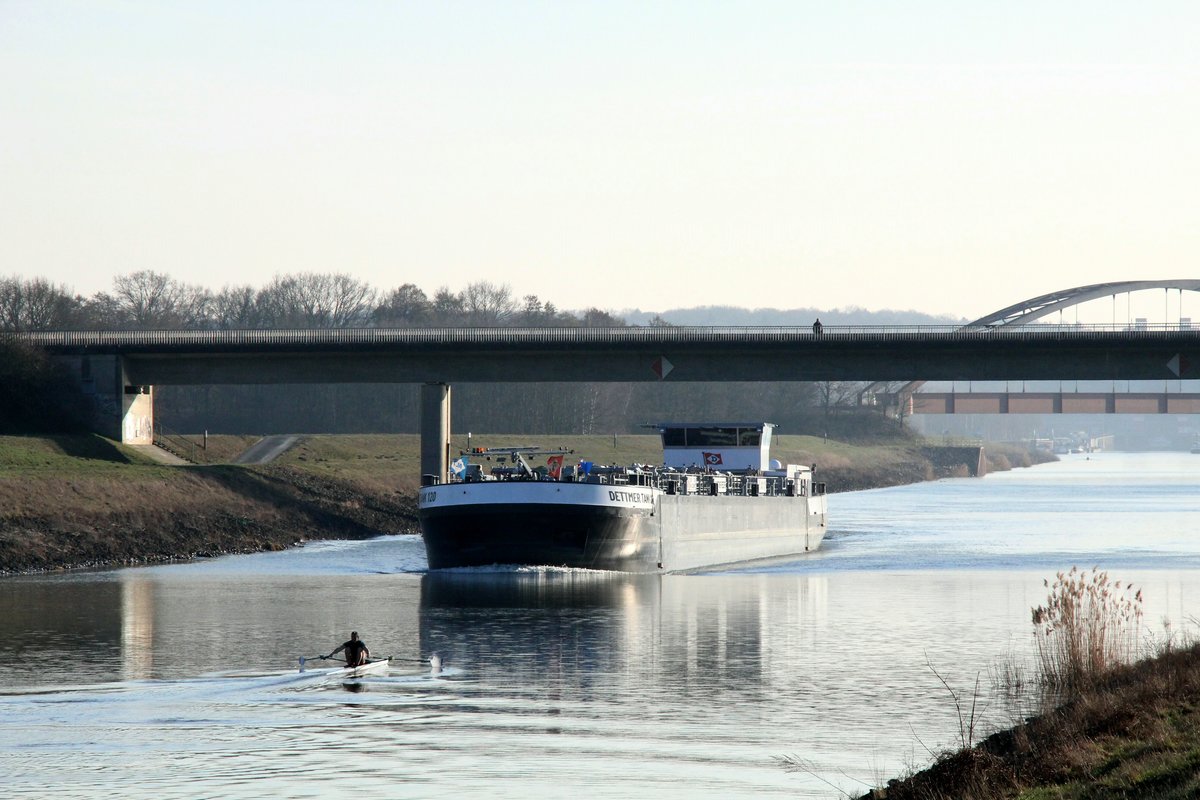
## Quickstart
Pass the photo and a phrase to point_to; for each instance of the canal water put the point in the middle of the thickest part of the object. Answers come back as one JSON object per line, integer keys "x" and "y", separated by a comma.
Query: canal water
{"x": 182, "y": 681}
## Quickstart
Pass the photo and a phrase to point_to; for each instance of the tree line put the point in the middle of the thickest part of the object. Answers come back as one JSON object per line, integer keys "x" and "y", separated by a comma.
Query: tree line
{"x": 148, "y": 300}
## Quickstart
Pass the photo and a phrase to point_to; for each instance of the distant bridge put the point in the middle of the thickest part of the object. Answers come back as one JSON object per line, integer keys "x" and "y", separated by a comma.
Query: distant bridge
{"x": 1024, "y": 313}
{"x": 1056, "y": 403}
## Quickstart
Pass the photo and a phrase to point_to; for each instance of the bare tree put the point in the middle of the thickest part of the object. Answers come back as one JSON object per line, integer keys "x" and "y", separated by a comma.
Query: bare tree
{"x": 317, "y": 300}
{"x": 36, "y": 305}
{"x": 147, "y": 299}
{"x": 238, "y": 308}
{"x": 485, "y": 303}
{"x": 834, "y": 395}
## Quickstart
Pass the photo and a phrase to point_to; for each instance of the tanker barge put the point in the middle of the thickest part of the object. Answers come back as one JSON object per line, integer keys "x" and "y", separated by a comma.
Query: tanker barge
{"x": 716, "y": 499}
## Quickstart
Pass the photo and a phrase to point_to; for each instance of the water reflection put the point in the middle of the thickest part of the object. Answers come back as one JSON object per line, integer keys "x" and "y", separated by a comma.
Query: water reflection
{"x": 697, "y": 633}
{"x": 137, "y": 627}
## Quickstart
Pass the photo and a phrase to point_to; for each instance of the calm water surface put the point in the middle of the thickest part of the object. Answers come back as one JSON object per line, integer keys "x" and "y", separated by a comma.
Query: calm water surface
{"x": 181, "y": 681}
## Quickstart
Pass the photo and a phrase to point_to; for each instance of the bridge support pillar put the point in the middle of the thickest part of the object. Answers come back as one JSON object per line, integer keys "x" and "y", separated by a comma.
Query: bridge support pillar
{"x": 435, "y": 432}
{"x": 121, "y": 410}
{"x": 136, "y": 404}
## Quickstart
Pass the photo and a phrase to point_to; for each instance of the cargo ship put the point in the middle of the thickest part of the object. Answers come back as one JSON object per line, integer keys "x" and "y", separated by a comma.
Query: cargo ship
{"x": 717, "y": 499}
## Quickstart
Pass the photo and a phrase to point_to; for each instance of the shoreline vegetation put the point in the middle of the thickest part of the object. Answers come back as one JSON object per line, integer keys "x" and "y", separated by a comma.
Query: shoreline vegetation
{"x": 1118, "y": 710}
{"x": 83, "y": 501}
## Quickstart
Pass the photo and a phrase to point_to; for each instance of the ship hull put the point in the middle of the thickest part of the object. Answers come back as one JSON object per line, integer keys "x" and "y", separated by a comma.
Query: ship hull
{"x": 631, "y": 529}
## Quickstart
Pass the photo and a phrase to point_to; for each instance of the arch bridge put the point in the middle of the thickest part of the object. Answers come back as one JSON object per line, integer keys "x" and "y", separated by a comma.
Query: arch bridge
{"x": 894, "y": 398}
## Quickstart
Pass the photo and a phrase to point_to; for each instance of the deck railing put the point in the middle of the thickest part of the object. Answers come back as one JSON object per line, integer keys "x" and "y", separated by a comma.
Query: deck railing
{"x": 417, "y": 337}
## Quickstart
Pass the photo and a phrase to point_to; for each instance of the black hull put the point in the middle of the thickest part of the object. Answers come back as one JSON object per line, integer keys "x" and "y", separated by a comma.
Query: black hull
{"x": 587, "y": 537}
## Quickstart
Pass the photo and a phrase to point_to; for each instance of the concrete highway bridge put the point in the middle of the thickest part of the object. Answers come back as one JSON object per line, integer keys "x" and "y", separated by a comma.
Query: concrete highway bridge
{"x": 121, "y": 367}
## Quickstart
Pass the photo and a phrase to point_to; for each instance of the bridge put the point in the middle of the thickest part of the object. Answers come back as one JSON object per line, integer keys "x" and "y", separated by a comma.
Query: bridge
{"x": 1027, "y": 312}
{"x": 122, "y": 367}
{"x": 1055, "y": 402}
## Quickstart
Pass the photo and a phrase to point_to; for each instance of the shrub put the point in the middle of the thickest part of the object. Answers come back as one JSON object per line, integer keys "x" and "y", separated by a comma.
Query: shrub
{"x": 1088, "y": 627}
{"x": 998, "y": 463}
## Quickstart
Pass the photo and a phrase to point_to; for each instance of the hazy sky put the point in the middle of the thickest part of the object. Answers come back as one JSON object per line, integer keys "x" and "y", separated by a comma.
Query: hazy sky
{"x": 950, "y": 157}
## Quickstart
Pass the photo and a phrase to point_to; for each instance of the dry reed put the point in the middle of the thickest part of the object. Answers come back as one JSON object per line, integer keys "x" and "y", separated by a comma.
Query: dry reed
{"x": 1088, "y": 627}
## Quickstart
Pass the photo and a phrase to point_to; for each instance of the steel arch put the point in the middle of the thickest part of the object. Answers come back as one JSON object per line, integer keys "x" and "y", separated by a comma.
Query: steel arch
{"x": 1037, "y": 307}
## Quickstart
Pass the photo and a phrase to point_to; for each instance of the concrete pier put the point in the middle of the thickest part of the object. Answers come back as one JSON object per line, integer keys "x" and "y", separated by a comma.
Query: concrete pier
{"x": 121, "y": 409}
{"x": 435, "y": 431}
{"x": 137, "y": 409}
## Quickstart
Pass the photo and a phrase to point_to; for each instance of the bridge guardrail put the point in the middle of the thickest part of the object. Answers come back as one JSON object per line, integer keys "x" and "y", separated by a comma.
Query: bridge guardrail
{"x": 600, "y": 336}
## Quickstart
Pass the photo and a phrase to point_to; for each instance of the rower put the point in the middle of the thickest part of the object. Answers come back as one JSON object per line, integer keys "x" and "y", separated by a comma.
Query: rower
{"x": 356, "y": 651}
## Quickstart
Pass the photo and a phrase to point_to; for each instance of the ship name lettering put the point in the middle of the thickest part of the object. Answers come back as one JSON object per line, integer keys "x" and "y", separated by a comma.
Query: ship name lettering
{"x": 428, "y": 497}
{"x": 629, "y": 497}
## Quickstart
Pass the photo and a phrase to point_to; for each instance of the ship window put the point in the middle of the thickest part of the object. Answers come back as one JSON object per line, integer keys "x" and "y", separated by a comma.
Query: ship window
{"x": 712, "y": 437}
{"x": 749, "y": 437}
{"x": 674, "y": 437}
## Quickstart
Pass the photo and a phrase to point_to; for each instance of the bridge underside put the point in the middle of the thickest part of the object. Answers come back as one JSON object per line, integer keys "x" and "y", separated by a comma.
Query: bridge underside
{"x": 1054, "y": 403}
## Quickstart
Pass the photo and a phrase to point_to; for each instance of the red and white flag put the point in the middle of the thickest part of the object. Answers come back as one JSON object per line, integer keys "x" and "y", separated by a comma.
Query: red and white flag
{"x": 712, "y": 459}
{"x": 554, "y": 466}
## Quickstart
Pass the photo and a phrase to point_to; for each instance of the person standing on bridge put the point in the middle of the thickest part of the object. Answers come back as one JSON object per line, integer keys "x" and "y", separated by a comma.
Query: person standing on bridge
{"x": 356, "y": 651}
{"x": 818, "y": 327}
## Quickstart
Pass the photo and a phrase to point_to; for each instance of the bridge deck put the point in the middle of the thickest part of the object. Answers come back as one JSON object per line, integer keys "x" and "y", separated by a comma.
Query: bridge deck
{"x": 430, "y": 355}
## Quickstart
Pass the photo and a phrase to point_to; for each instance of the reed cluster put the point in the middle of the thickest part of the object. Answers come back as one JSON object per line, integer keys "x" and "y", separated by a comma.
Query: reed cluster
{"x": 1089, "y": 625}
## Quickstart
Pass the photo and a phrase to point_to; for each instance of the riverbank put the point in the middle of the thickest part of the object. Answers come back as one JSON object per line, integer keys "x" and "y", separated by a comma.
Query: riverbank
{"x": 1136, "y": 735}
{"x": 83, "y": 501}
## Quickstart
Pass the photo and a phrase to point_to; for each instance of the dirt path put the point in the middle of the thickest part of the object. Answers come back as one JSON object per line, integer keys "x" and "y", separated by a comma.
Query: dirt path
{"x": 267, "y": 449}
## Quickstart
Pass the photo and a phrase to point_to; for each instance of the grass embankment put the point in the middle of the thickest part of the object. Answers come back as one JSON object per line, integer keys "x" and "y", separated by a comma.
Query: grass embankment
{"x": 76, "y": 501}
{"x": 394, "y": 460}
{"x": 1110, "y": 729}
{"x": 70, "y": 501}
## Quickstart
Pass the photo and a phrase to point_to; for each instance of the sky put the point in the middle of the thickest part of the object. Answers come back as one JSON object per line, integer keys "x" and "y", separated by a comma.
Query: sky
{"x": 946, "y": 157}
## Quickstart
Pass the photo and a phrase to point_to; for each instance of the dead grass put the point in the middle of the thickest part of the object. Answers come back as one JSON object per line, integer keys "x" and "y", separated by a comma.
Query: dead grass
{"x": 1111, "y": 729}
{"x": 83, "y": 501}
{"x": 1134, "y": 735}
{"x": 1089, "y": 626}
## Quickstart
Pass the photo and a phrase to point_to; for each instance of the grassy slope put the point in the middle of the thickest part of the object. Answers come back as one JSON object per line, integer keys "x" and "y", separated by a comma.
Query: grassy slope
{"x": 1135, "y": 736}
{"x": 82, "y": 500}
{"x": 394, "y": 460}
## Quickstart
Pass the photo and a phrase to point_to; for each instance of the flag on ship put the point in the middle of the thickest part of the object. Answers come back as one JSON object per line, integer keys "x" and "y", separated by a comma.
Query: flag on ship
{"x": 712, "y": 459}
{"x": 554, "y": 466}
{"x": 459, "y": 467}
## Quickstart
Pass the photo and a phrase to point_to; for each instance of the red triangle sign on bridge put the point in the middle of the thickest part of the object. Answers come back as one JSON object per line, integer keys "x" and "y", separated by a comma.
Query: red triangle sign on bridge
{"x": 662, "y": 368}
{"x": 1179, "y": 365}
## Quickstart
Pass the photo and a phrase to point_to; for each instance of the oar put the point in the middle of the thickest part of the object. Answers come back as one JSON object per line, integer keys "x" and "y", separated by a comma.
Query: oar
{"x": 317, "y": 658}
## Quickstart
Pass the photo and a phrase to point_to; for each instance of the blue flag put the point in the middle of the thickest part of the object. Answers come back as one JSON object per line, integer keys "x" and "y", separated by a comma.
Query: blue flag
{"x": 459, "y": 467}
{"x": 585, "y": 467}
